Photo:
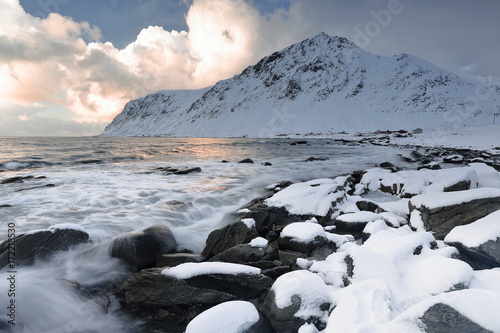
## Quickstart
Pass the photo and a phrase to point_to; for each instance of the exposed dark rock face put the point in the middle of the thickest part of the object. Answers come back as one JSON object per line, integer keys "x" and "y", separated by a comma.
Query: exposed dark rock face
{"x": 169, "y": 302}
{"x": 290, "y": 244}
{"x": 174, "y": 259}
{"x": 222, "y": 239}
{"x": 443, "y": 318}
{"x": 484, "y": 256}
{"x": 141, "y": 249}
{"x": 246, "y": 254}
{"x": 441, "y": 220}
{"x": 40, "y": 245}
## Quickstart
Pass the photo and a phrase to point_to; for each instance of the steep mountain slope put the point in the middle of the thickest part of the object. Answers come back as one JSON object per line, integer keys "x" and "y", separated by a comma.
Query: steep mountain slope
{"x": 323, "y": 84}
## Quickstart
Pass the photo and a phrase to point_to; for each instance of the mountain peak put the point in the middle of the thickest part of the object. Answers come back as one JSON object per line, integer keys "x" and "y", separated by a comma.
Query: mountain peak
{"x": 326, "y": 39}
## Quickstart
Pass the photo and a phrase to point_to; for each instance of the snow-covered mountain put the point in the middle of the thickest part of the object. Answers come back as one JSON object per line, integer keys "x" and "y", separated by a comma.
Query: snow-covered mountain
{"x": 323, "y": 84}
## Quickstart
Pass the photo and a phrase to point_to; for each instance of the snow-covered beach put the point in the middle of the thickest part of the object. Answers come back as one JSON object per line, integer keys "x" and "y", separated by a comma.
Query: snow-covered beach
{"x": 332, "y": 250}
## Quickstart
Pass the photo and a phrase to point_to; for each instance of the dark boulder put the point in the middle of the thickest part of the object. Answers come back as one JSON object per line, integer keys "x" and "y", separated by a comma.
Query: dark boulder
{"x": 367, "y": 205}
{"x": 246, "y": 254}
{"x": 291, "y": 244}
{"x": 16, "y": 179}
{"x": 246, "y": 160}
{"x": 40, "y": 245}
{"x": 170, "y": 303}
{"x": 141, "y": 249}
{"x": 187, "y": 171}
{"x": 222, "y": 239}
{"x": 389, "y": 166}
{"x": 313, "y": 159}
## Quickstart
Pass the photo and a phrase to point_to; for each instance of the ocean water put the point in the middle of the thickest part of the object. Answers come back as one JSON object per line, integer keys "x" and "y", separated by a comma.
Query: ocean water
{"x": 111, "y": 186}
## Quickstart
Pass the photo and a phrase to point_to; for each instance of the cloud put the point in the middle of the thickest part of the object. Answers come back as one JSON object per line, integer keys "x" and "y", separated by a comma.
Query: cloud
{"x": 48, "y": 60}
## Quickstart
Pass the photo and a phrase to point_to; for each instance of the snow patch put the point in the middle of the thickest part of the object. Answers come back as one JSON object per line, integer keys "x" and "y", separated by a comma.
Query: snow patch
{"x": 231, "y": 317}
{"x": 189, "y": 270}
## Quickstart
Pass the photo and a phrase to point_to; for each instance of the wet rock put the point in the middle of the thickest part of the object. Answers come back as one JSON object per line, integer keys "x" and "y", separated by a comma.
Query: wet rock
{"x": 5, "y": 206}
{"x": 141, "y": 249}
{"x": 312, "y": 159}
{"x": 389, "y": 166}
{"x": 36, "y": 187}
{"x": 301, "y": 142}
{"x": 174, "y": 259}
{"x": 430, "y": 166}
{"x": 16, "y": 179}
{"x": 177, "y": 171}
{"x": 455, "y": 159}
{"x": 246, "y": 160}
{"x": 445, "y": 319}
{"x": 187, "y": 171}
{"x": 222, "y": 239}
{"x": 40, "y": 245}
{"x": 267, "y": 164}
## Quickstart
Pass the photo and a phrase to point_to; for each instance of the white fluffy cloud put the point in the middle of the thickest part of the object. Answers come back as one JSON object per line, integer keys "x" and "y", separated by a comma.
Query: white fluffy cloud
{"x": 48, "y": 60}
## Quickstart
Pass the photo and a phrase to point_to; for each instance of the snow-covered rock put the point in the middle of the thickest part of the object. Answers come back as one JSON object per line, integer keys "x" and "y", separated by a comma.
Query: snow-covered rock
{"x": 295, "y": 298}
{"x": 441, "y": 212}
{"x": 478, "y": 242}
{"x": 334, "y": 80}
{"x": 314, "y": 197}
{"x": 230, "y": 317}
{"x": 25, "y": 249}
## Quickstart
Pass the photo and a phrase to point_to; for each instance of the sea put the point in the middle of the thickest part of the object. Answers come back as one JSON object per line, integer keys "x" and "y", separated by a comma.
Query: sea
{"x": 111, "y": 186}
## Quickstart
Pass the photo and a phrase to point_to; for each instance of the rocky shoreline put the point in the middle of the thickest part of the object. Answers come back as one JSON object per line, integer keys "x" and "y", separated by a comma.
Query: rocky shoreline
{"x": 308, "y": 255}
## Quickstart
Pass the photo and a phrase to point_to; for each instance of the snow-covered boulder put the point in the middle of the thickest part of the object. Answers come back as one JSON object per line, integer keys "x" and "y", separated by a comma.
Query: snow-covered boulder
{"x": 407, "y": 184}
{"x": 305, "y": 237}
{"x": 478, "y": 242}
{"x": 231, "y": 317}
{"x": 295, "y": 298}
{"x": 141, "y": 249}
{"x": 487, "y": 176}
{"x": 469, "y": 310}
{"x": 354, "y": 223}
{"x": 39, "y": 244}
{"x": 312, "y": 198}
{"x": 441, "y": 212}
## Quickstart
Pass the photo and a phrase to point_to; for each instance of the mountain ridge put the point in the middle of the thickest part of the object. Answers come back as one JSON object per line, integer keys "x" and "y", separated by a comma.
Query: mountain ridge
{"x": 323, "y": 84}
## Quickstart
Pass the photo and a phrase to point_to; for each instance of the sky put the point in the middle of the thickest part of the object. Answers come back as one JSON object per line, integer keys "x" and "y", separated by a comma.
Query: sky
{"x": 67, "y": 67}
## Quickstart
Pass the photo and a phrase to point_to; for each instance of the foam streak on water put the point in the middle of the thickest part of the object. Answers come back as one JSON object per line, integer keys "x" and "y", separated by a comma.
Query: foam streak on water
{"x": 111, "y": 186}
